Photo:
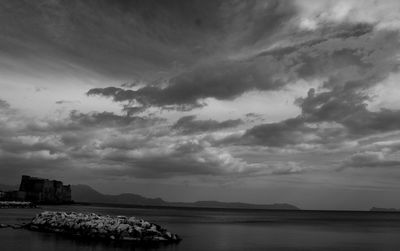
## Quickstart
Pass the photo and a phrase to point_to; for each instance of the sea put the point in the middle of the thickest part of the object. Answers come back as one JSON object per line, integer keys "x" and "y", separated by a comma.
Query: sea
{"x": 222, "y": 230}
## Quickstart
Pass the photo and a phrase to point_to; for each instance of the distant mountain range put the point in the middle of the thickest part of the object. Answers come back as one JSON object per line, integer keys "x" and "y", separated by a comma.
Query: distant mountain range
{"x": 381, "y": 209}
{"x": 84, "y": 193}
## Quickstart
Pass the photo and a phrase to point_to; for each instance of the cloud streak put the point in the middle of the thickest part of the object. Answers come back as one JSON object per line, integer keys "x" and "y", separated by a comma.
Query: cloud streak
{"x": 189, "y": 125}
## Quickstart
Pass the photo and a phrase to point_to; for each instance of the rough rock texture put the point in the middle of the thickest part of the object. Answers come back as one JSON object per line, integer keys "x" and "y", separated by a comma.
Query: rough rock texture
{"x": 16, "y": 204}
{"x": 102, "y": 227}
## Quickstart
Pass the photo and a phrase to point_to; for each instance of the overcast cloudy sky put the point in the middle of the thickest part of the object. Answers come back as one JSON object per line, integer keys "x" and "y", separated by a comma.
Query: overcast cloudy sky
{"x": 252, "y": 101}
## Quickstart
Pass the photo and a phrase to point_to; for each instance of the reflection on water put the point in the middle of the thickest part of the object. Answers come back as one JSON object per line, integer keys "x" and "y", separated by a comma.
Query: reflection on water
{"x": 226, "y": 230}
{"x": 28, "y": 240}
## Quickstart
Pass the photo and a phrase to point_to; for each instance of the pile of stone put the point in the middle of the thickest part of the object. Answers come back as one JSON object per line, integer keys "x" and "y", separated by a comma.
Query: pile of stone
{"x": 101, "y": 227}
{"x": 16, "y": 204}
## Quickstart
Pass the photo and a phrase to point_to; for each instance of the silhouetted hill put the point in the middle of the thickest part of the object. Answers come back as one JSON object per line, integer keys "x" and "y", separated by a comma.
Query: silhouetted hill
{"x": 239, "y": 205}
{"x": 84, "y": 193}
{"x": 381, "y": 209}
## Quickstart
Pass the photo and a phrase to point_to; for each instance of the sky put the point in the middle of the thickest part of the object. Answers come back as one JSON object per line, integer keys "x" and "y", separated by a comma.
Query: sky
{"x": 252, "y": 101}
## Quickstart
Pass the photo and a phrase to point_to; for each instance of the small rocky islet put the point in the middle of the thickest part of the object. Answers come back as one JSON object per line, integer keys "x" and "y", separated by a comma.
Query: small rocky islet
{"x": 91, "y": 225}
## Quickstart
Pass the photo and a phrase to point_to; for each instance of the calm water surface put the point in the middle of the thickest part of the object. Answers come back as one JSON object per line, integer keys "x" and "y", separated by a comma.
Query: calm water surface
{"x": 225, "y": 230}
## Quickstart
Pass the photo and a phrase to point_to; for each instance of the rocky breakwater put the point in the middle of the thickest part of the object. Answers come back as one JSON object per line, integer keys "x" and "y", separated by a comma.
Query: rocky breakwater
{"x": 119, "y": 228}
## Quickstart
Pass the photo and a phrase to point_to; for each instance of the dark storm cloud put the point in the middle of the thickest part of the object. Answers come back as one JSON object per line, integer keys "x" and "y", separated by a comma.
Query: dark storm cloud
{"x": 222, "y": 80}
{"x": 252, "y": 115}
{"x": 357, "y": 54}
{"x": 177, "y": 54}
{"x": 349, "y": 109}
{"x": 370, "y": 159}
{"x": 288, "y": 132}
{"x": 356, "y": 62}
{"x": 61, "y": 102}
{"x": 345, "y": 108}
{"x": 183, "y": 158}
{"x": 106, "y": 119}
{"x": 366, "y": 122}
{"x": 165, "y": 166}
{"x": 130, "y": 111}
{"x": 13, "y": 166}
{"x": 24, "y": 151}
{"x": 190, "y": 158}
{"x": 352, "y": 64}
{"x": 217, "y": 72}
{"x": 95, "y": 33}
{"x": 4, "y": 104}
{"x": 53, "y": 145}
{"x": 346, "y": 54}
{"x": 34, "y": 144}
{"x": 189, "y": 125}
{"x": 77, "y": 121}
{"x": 128, "y": 39}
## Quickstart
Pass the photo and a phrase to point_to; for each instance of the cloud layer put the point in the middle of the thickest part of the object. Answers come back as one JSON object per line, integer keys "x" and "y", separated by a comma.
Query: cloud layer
{"x": 169, "y": 91}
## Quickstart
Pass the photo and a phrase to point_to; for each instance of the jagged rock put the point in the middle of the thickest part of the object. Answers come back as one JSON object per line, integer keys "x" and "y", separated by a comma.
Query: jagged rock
{"x": 102, "y": 227}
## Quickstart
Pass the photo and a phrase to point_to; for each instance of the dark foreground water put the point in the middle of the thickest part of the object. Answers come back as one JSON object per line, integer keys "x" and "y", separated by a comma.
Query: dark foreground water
{"x": 225, "y": 230}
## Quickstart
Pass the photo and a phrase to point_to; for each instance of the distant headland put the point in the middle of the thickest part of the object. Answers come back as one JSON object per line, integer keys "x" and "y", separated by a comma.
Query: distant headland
{"x": 381, "y": 209}
{"x": 85, "y": 193}
{"x": 45, "y": 191}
